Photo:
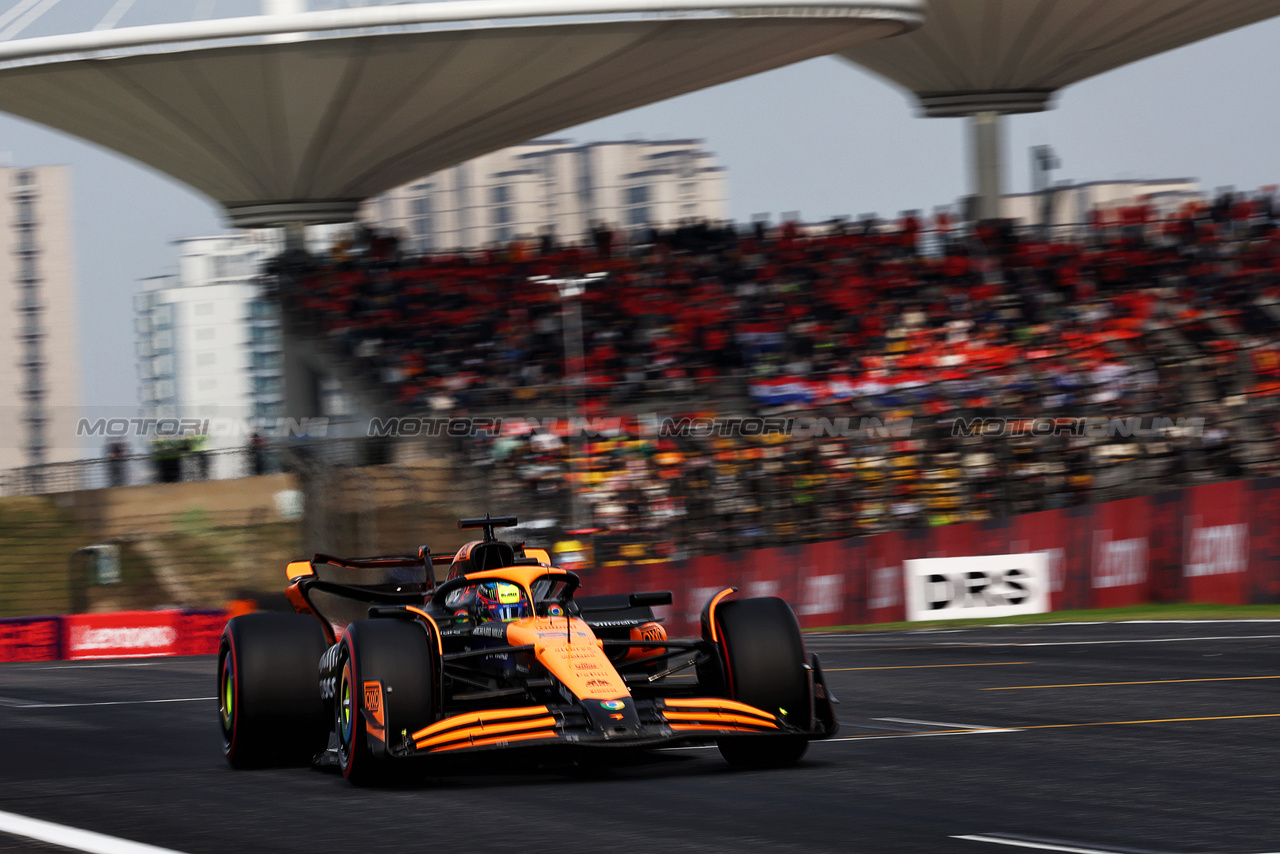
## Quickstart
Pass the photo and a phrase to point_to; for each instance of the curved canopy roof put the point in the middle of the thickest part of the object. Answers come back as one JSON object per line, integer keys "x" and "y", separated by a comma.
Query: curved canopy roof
{"x": 302, "y": 128}
{"x": 1013, "y": 55}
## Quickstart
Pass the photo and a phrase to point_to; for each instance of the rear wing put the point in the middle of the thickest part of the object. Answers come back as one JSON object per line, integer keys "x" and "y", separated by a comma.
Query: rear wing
{"x": 383, "y": 571}
{"x": 369, "y": 562}
{"x": 341, "y": 590}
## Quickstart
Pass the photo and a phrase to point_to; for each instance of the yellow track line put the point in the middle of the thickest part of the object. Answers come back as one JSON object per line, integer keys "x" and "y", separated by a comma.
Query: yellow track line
{"x": 1157, "y": 721}
{"x": 1149, "y": 682}
{"x": 927, "y": 666}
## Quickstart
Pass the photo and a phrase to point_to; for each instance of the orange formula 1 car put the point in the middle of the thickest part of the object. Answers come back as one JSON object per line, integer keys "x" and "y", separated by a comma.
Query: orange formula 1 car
{"x": 381, "y": 666}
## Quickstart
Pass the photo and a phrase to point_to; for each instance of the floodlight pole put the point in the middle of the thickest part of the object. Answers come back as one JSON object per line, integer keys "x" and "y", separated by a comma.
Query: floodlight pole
{"x": 1043, "y": 162}
{"x": 571, "y": 289}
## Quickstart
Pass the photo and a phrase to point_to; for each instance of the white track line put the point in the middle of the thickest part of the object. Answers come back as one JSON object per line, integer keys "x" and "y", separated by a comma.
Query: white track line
{"x": 73, "y": 838}
{"x": 837, "y": 635}
{"x": 931, "y": 723}
{"x": 822, "y": 741}
{"x": 977, "y": 644}
{"x": 915, "y": 735}
{"x": 1135, "y": 640}
{"x": 1191, "y": 622}
{"x": 10, "y": 702}
{"x": 1041, "y": 846}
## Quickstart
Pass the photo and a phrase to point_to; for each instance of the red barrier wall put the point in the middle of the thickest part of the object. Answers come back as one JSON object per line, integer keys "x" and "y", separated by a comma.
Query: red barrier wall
{"x": 127, "y": 634}
{"x": 1214, "y": 543}
{"x": 31, "y": 639}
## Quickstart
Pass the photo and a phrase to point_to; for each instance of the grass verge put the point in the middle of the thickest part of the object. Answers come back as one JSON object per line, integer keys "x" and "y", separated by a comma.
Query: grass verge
{"x": 1137, "y": 612}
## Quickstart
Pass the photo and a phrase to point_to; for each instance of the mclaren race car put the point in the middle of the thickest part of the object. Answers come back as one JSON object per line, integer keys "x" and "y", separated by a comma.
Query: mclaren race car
{"x": 382, "y": 666}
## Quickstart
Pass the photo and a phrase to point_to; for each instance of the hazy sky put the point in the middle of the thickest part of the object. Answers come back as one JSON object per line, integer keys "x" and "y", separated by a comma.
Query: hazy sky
{"x": 823, "y": 138}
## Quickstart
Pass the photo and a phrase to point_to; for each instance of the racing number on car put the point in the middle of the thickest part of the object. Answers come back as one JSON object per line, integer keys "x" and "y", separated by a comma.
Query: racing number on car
{"x": 373, "y": 701}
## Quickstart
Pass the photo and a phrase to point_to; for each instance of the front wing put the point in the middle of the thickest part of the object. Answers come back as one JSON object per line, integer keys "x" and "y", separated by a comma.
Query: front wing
{"x": 645, "y": 723}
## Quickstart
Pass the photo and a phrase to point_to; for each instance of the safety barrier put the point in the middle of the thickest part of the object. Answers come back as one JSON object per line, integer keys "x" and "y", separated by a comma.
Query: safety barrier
{"x": 1212, "y": 543}
{"x": 127, "y": 634}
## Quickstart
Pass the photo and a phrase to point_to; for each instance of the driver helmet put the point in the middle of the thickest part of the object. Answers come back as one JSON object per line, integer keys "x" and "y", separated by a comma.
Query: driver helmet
{"x": 501, "y": 601}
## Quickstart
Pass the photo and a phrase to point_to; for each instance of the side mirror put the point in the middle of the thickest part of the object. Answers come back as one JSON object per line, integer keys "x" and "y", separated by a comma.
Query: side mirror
{"x": 651, "y": 599}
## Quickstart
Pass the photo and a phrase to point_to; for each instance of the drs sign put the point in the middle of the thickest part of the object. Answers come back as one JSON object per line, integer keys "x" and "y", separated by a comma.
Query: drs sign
{"x": 947, "y": 588}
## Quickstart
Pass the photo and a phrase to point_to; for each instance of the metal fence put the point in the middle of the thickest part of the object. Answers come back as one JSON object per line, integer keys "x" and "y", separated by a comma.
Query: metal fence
{"x": 193, "y": 466}
{"x": 134, "y": 470}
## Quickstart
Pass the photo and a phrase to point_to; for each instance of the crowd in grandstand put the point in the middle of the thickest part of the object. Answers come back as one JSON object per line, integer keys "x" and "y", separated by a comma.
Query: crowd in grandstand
{"x": 863, "y": 324}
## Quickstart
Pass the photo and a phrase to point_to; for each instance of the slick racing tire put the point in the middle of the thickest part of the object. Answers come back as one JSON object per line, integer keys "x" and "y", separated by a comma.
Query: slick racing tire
{"x": 269, "y": 702}
{"x": 764, "y": 662}
{"x": 397, "y": 654}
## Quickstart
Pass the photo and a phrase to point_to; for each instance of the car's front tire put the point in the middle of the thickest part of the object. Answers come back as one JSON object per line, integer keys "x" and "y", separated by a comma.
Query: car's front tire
{"x": 270, "y": 710}
{"x": 398, "y": 655}
{"x": 764, "y": 664}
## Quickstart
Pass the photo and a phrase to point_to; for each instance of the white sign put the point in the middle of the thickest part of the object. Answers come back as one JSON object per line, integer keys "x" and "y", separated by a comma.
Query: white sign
{"x": 1118, "y": 563}
{"x": 823, "y": 594}
{"x": 949, "y": 588}
{"x": 886, "y": 588}
{"x": 1218, "y": 550}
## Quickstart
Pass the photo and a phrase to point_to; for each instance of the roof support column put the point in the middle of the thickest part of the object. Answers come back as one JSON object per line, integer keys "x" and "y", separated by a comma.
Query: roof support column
{"x": 985, "y": 114}
{"x": 301, "y": 379}
{"x": 295, "y": 236}
{"x": 987, "y": 162}
{"x": 283, "y": 7}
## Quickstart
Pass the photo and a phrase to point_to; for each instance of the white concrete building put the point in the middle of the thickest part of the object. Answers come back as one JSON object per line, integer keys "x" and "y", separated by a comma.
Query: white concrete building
{"x": 208, "y": 342}
{"x": 39, "y": 370}
{"x": 1072, "y": 203}
{"x": 521, "y": 191}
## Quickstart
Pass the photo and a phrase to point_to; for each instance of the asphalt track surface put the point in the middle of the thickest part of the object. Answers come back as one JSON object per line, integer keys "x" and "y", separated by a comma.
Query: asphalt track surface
{"x": 1136, "y": 737}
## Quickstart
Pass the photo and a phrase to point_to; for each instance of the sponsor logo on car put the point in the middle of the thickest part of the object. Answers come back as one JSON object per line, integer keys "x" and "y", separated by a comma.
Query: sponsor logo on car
{"x": 373, "y": 701}
{"x": 329, "y": 672}
{"x": 612, "y": 705}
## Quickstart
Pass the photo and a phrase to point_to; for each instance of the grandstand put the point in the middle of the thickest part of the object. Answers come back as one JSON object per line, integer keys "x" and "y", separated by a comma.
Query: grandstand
{"x": 912, "y": 331}
{"x": 1168, "y": 321}
{"x": 901, "y": 336}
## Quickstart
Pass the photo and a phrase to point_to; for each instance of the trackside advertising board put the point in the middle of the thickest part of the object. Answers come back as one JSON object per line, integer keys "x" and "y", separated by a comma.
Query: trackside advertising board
{"x": 944, "y": 588}
{"x": 128, "y": 634}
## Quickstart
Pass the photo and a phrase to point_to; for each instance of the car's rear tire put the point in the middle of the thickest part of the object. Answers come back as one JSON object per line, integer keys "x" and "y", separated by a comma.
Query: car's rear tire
{"x": 398, "y": 654}
{"x": 764, "y": 665}
{"x": 270, "y": 709}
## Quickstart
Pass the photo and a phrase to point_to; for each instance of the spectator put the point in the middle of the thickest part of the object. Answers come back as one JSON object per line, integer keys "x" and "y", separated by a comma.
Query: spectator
{"x": 168, "y": 453}
{"x": 843, "y": 322}
{"x": 117, "y": 462}
{"x": 258, "y": 453}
